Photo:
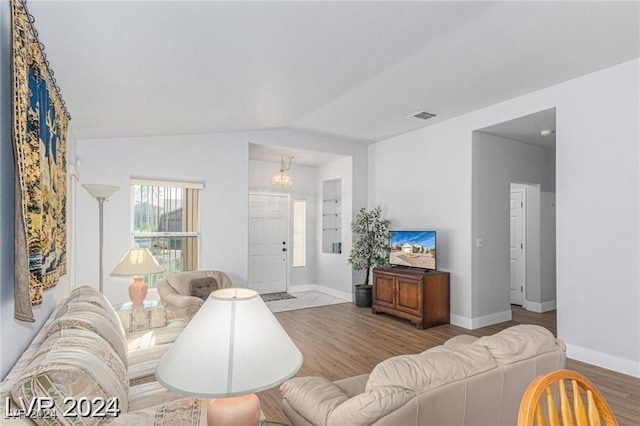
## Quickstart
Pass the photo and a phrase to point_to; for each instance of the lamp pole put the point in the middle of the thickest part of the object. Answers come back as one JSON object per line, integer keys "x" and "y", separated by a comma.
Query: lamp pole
{"x": 100, "y": 208}
{"x": 100, "y": 193}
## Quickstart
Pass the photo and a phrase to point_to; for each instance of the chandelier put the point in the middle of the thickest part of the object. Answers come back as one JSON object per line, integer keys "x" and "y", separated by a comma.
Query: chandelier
{"x": 281, "y": 179}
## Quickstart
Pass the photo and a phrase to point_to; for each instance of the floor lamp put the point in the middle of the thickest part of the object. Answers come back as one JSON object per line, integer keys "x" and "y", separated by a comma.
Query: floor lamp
{"x": 100, "y": 193}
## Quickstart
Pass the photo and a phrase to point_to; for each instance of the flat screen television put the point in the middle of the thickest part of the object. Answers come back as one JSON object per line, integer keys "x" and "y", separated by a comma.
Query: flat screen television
{"x": 416, "y": 249}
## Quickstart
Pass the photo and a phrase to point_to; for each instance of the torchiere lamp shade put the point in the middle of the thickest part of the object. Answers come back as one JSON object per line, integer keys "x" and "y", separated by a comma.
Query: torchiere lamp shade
{"x": 233, "y": 346}
{"x": 100, "y": 191}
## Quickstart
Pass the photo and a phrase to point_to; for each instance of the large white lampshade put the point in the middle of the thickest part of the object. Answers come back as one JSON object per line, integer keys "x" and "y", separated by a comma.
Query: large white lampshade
{"x": 233, "y": 346}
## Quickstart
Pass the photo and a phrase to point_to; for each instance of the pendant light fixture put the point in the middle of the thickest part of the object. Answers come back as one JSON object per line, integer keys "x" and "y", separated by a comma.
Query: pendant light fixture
{"x": 281, "y": 179}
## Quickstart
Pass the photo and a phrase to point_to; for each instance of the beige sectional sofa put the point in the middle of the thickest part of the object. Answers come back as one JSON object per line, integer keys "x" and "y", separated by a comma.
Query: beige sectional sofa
{"x": 466, "y": 381}
{"x": 82, "y": 351}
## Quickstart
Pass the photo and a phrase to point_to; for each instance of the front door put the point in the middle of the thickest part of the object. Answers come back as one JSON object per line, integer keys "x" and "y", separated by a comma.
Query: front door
{"x": 268, "y": 243}
{"x": 516, "y": 246}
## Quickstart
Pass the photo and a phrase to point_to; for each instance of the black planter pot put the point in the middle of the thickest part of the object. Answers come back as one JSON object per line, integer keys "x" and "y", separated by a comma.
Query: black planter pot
{"x": 363, "y": 295}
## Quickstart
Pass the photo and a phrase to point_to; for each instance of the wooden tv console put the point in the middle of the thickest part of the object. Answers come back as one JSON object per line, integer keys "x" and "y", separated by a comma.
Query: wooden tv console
{"x": 419, "y": 296}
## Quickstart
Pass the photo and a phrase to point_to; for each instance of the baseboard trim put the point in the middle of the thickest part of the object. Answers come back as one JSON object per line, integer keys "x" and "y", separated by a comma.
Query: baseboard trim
{"x": 490, "y": 319}
{"x": 473, "y": 323}
{"x": 610, "y": 362}
{"x": 540, "y": 307}
{"x": 322, "y": 289}
{"x": 460, "y": 321}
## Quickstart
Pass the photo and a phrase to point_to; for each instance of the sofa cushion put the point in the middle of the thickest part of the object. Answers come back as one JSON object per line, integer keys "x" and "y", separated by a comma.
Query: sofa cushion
{"x": 147, "y": 339}
{"x": 145, "y": 349}
{"x": 84, "y": 290}
{"x": 519, "y": 342}
{"x": 369, "y": 406}
{"x": 93, "y": 319}
{"x": 315, "y": 405}
{"x": 432, "y": 368}
{"x": 181, "y": 412}
{"x": 74, "y": 363}
{"x": 78, "y": 306}
{"x": 202, "y": 287}
{"x": 98, "y": 300}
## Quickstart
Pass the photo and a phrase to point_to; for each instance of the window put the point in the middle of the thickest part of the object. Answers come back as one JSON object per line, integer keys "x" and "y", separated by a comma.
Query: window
{"x": 165, "y": 220}
{"x": 299, "y": 232}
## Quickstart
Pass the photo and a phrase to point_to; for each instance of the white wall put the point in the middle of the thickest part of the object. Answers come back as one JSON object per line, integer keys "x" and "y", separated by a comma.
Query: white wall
{"x": 15, "y": 335}
{"x": 212, "y": 159}
{"x": 548, "y": 256}
{"x": 597, "y": 195}
{"x": 304, "y": 187}
{"x": 220, "y": 161}
{"x": 333, "y": 271}
{"x": 497, "y": 162}
{"x": 423, "y": 179}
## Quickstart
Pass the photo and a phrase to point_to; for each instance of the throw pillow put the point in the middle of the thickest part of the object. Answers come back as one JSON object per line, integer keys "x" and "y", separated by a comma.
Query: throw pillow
{"x": 202, "y": 287}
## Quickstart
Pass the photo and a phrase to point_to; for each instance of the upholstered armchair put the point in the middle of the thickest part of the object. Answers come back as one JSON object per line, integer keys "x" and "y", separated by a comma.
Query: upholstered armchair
{"x": 185, "y": 292}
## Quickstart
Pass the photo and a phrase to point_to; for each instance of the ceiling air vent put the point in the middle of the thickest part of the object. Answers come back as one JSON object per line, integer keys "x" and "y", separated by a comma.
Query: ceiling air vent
{"x": 423, "y": 115}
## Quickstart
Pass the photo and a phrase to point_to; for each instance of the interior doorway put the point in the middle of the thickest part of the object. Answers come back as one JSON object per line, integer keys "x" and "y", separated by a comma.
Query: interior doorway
{"x": 268, "y": 242}
{"x": 513, "y": 223}
{"x": 517, "y": 236}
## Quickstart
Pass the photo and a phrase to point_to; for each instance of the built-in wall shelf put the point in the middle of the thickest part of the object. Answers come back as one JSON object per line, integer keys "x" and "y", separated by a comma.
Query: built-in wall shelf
{"x": 332, "y": 216}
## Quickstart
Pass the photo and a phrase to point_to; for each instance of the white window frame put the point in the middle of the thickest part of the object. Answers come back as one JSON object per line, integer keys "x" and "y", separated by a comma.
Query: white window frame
{"x": 164, "y": 183}
{"x": 299, "y": 242}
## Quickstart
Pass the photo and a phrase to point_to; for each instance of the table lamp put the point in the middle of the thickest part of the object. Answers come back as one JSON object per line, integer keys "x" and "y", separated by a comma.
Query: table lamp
{"x": 231, "y": 348}
{"x": 136, "y": 263}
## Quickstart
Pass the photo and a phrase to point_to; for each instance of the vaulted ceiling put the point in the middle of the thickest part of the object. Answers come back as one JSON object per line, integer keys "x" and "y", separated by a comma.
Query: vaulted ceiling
{"x": 352, "y": 69}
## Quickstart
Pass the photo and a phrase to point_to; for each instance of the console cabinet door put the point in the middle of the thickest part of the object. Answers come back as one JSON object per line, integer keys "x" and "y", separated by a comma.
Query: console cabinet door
{"x": 409, "y": 294}
{"x": 383, "y": 285}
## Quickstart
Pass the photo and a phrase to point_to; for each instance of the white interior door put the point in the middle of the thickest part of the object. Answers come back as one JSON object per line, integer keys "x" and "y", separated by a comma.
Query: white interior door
{"x": 516, "y": 246}
{"x": 268, "y": 243}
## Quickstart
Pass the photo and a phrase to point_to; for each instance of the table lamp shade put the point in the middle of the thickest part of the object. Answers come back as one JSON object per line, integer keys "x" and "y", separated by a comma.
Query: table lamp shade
{"x": 137, "y": 262}
{"x": 232, "y": 346}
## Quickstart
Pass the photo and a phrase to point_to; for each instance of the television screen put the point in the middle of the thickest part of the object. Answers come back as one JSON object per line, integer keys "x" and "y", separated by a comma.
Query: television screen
{"x": 413, "y": 248}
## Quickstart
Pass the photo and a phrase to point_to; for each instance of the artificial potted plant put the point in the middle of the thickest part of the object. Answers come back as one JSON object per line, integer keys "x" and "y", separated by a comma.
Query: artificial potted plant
{"x": 370, "y": 248}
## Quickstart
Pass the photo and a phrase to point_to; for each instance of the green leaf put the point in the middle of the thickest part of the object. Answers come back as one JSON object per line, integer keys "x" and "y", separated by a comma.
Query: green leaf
{"x": 370, "y": 246}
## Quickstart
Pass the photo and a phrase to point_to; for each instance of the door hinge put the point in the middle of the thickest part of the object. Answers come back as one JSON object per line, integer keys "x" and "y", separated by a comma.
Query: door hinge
{"x": 521, "y": 289}
{"x": 521, "y": 246}
{"x": 521, "y": 204}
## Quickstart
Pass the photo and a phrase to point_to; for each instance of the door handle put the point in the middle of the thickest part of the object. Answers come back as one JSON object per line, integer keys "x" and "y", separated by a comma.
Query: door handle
{"x": 284, "y": 249}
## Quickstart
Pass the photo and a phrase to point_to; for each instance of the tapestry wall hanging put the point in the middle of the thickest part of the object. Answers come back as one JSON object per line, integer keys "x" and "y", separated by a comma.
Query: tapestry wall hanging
{"x": 40, "y": 121}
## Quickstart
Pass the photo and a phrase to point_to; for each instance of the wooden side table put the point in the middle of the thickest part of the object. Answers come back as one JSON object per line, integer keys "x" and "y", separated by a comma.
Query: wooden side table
{"x": 151, "y": 315}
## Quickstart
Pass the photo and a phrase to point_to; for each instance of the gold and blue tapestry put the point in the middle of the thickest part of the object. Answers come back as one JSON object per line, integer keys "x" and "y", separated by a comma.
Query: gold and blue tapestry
{"x": 39, "y": 139}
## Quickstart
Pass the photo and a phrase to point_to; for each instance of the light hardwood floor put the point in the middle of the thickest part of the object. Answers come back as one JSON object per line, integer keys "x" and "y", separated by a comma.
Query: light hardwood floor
{"x": 343, "y": 340}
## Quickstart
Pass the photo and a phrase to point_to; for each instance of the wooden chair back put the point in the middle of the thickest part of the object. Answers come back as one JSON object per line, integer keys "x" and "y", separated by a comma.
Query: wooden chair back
{"x": 538, "y": 404}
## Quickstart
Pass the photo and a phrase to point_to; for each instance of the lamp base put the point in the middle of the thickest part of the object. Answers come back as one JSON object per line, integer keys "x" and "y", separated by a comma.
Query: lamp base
{"x": 235, "y": 411}
{"x": 137, "y": 292}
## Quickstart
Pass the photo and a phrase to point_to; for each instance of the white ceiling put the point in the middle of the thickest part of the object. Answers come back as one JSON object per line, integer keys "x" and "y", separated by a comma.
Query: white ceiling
{"x": 301, "y": 157}
{"x": 527, "y": 129}
{"x": 353, "y": 69}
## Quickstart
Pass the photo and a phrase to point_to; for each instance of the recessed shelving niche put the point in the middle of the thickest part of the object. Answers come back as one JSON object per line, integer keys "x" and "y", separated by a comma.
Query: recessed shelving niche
{"x": 332, "y": 216}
